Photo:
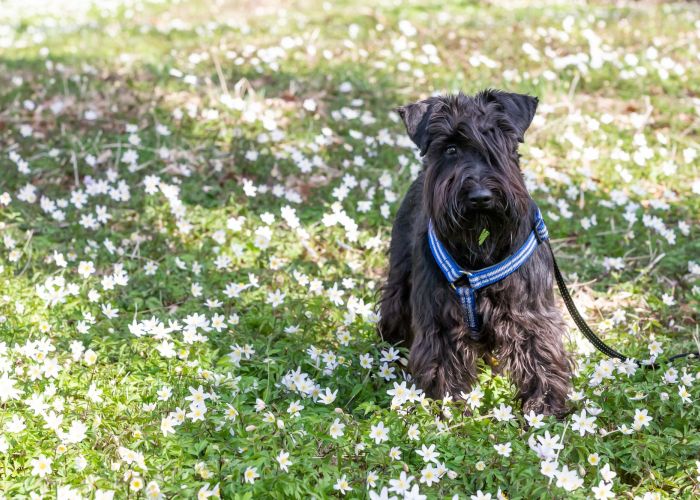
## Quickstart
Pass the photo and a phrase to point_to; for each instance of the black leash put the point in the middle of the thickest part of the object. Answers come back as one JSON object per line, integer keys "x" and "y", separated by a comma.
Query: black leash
{"x": 586, "y": 330}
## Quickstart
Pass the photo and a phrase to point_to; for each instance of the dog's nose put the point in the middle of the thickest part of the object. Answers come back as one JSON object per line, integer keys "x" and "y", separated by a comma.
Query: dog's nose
{"x": 480, "y": 198}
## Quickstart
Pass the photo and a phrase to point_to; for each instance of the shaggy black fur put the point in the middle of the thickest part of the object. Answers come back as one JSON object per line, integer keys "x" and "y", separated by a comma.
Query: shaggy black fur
{"x": 472, "y": 181}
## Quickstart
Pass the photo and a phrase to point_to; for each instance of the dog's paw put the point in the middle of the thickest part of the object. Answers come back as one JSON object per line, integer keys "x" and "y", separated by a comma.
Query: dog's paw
{"x": 546, "y": 407}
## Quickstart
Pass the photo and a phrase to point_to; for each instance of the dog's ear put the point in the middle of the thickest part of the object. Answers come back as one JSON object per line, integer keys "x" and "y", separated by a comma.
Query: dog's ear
{"x": 416, "y": 116}
{"x": 519, "y": 108}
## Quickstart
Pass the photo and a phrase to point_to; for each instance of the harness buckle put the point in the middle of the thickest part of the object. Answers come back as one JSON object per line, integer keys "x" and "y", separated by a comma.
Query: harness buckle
{"x": 463, "y": 277}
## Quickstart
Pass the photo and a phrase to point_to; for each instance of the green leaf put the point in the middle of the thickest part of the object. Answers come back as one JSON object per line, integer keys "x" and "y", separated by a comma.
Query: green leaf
{"x": 482, "y": 237}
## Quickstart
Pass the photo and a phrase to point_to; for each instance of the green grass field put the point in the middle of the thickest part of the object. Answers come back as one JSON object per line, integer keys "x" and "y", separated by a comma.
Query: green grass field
{"x": 195, "y": 207}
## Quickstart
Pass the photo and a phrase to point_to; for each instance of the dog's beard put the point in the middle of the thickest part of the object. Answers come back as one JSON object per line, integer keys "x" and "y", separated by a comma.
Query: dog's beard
{"x": 480, "y": 236}
{"x": 463, "y": 223}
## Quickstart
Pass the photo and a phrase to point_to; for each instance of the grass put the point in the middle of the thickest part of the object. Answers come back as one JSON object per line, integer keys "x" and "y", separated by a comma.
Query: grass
{"x": 182, "y": 205}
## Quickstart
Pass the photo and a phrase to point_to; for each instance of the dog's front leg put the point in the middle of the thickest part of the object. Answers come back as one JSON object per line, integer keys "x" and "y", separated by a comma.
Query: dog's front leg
{"x": 534, "y": 354}
{"x": 442, "y": 360}
{"x": 395, "y": 322}
{"x": 440, "y": 365}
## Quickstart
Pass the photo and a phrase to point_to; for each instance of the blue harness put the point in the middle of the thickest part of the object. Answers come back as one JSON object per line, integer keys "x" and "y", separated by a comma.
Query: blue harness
{"x": 476, "y": 280}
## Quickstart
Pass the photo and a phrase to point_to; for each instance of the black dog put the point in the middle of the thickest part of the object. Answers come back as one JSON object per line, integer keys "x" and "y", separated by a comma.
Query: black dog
{"x": 473, "y": 191}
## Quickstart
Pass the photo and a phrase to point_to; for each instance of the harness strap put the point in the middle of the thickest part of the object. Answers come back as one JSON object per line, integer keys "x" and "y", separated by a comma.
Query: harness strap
{"x": 476, "y": 280}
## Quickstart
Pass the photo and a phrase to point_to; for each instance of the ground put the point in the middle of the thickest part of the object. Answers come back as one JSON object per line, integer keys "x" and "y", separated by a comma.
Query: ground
{"x": 195, "y": 205}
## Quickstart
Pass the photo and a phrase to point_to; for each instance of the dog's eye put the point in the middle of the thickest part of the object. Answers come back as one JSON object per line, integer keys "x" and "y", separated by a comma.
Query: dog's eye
{"x": 451, "y": 151}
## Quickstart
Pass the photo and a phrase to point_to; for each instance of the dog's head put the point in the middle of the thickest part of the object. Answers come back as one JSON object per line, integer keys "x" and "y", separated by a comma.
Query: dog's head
{"x": 470, "y": 150}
